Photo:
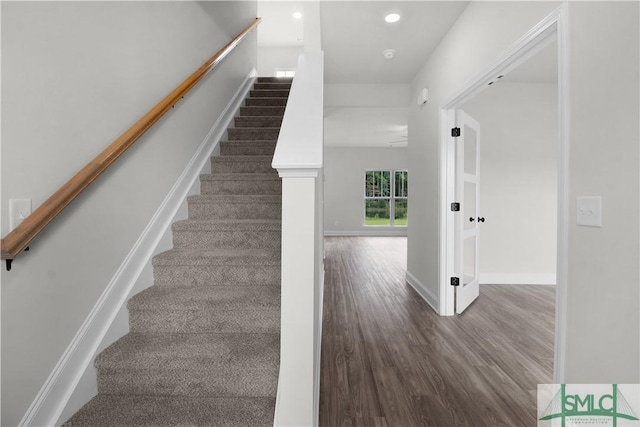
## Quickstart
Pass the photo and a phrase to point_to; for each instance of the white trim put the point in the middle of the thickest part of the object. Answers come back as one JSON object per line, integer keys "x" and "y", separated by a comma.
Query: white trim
{"x": 400, "y": 232}
{"x": 517, "y": 279}
{"x": 75, "y": 367}
{"x": 423, "y": 291}
{"x": 298, "y": 159}
{"x": 563, "y": 196}
{"x": 300, "y": 142}
{"x": 318, "y": 367}
{"x": 553, "y": 26}
{"x": 298, "y": 172}
{"x": 528, "y": 45}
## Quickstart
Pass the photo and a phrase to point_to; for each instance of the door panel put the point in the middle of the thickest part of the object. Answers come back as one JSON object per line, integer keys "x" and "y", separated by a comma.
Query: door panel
{"x": 467, "y": 226}
{"x": 469, "y": 203}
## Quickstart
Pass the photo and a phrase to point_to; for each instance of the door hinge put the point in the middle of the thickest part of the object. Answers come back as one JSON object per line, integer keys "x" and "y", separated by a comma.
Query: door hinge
{"x": 455, "y": 281}
{"x": 455, "y": 207}
{"x": 455, "y": 132}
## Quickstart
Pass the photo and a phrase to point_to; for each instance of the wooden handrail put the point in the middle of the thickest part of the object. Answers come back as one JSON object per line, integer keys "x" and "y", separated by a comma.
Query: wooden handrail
{"x": 19, "y": 239}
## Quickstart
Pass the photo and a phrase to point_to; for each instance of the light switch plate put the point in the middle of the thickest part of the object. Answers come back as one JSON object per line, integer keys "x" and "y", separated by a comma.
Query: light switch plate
{"x": 589, "y": 211}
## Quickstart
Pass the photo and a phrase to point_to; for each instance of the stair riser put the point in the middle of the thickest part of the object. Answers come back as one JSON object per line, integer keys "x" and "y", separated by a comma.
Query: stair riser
{"x": 269, "y": 93}
{"x": 223, "y": 165}
{"x": 266, "y": 149}
{"x": 217, "y": 275}
{"x": 238, "y": 239}
{"x": 228, "y": 382}
{"x": 274, "y": 85}
{"x": 258, "y": 122}
{"x": 235, "y": 210}
{"x": 241, "y": 187}
{"x": 266, "y": 102}
{"x": 261, "y": 111}
{"x": 253, "y": 134}
{"x": 275, "y": 80}
{"x": 201, "y": 321}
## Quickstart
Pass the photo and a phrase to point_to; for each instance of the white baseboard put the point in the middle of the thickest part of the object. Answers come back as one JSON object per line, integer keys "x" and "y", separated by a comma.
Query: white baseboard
{"x": 73, "y": 380}
{"x": 423, "y": 291}
{"x": 318, "y": 364}
{"x": 517, "y": 279}
{"x": 362, "y": 233}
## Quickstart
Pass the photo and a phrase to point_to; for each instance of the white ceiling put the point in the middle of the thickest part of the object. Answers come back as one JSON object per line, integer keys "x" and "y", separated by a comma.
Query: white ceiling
{"x": 278, "y": 27}
{"x": 354, "y": 35}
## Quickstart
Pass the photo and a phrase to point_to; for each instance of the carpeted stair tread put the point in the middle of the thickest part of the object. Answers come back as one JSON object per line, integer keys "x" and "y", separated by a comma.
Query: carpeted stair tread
{"x": 213, "y": 298}
{"x": 240, "y": 183}
{"x": 199, "y": 321}
{"x": 253, "y": 133}
{"x": 269, "y": 93}
{"x": 241, "y": 199}
{"x": 196, "y": 364}
{"x": 249, "y": 111}
{"x": 272, "y": 85}
{"x": 160, "y": 411}
{"x": 227, "y": 233}
{"x": 251, "y": 142}
{"x": 235, "y": 207}
{"x": 242, "y": 164}
{"x": 227, "y": 225}
{"x": 240, "y": 177}
{"x": 257, "y": 121}
{"x": 266, "y": 102}
{"x": 264, "y": 79}
{"x": 248, "y": 147}
{"x": 218, "y": 257}
{"x": 204, "y": 351}
{"x": 242, "y": 159}
{"x": 203, "y": 308}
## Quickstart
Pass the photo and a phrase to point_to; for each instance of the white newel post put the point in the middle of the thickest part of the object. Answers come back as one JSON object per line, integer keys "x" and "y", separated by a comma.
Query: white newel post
{"x": 298, "y": 159}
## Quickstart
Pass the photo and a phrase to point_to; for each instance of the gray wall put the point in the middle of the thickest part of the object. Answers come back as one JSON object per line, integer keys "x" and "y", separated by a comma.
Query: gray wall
{"x": 603, "y": 307}
{"x": 518, "y": 181}
{"x": 271, "y": 58}
{"x": 344, "y": 170}
{"x": 74, "y": 76}
{"x": 483, "y": 31}
{"x": 602, "y": 326}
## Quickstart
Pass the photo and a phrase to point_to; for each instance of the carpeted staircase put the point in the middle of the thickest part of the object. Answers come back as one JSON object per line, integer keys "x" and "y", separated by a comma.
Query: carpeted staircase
{"x": 203, "y": 347}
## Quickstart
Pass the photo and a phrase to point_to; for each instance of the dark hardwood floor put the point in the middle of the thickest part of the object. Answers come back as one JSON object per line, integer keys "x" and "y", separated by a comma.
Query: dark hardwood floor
{"x": 389, "y": 360}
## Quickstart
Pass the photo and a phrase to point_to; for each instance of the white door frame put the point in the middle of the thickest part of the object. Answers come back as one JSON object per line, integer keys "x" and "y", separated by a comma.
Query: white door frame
{"x": 551, "y": 29}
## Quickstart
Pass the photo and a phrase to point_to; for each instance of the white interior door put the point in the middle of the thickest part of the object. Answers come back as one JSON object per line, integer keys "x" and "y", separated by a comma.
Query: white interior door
{"x": 468, "y": 218}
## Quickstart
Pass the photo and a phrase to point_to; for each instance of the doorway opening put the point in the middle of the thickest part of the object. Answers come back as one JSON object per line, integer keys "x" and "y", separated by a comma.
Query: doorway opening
{"x": 453, "y": 229}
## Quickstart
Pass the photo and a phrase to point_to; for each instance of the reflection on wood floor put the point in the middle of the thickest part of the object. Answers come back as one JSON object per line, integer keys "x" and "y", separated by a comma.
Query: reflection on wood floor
{"x": 389, "y": 360}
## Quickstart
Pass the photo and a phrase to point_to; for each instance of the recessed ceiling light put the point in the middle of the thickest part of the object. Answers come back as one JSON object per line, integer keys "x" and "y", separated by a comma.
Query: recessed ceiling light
{"x": 389, "y": 53}
{"x": 297, "y": 15}
{"x": 392, "y": 17}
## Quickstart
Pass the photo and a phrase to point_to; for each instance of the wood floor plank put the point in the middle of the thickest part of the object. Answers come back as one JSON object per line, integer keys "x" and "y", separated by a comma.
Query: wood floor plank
{"x": 389, "y": 360}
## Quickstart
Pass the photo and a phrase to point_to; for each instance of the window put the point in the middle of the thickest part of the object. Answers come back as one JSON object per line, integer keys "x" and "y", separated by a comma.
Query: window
{"x": 385, "y": 198}
{"x": 285, "y": 73}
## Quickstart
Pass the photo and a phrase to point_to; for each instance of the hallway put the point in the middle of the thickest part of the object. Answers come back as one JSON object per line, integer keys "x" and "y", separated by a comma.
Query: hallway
{"x": 389, "y": 360}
